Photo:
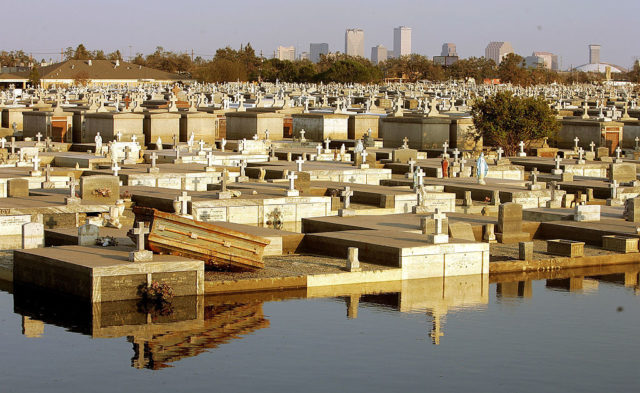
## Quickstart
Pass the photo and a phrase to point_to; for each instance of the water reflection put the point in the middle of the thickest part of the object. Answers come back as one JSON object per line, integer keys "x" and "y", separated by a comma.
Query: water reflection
{"x": 194, "y": 325}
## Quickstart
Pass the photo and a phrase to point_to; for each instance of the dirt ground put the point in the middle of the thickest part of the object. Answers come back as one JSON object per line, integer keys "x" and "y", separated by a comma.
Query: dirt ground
{"x": 291, "y": 266}
{"x": 507, "y": 252}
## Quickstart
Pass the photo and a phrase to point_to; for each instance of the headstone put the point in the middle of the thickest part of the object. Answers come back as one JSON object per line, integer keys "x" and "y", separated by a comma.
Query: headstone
{"x": 586, "y": 212}
{"x": 404, "y": 155}
{"x": 100, "y": 189}
{"x": 622, "y": 172}
{"x": 489, "y": 234}
{"x": 565, "y": 248}
{"x": 88, "y": 234}
{"x": 438, "y": 236}
{"x": 32, "y": 235}
{"x": 525, "y": 251}
{"x": 17, "y": 188}
{"x": 632, "y": 209}
{"x": 510, "y": 224}
{"x": 461, "y": 230}
{"x": 602, "y": 152}
{"x": 353, "y": 264}
{"x": 467, "y": 201}
{"x": 140, "y": 255}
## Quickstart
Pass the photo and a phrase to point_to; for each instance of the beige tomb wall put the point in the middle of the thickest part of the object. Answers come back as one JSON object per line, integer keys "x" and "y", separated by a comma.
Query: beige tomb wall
{"x": 108, "y": 125}
{"x": 11, "y": 115}
{"x": 319, "y": 126}
{"x": 161, "y": 124}
{"x": 423, "y": 132}
{"x": 360, "y": 124}
{"x": 247, "y": 124}
{"x": 204, "y": 126}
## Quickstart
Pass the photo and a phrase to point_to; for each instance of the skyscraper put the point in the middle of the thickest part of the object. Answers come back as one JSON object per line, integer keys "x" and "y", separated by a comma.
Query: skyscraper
{"x": 594, "y": 54}
{"x": 378, "y": 54}
{"x": 354, "y": 42}
{"x": 448, "y": 49}
{"x": 286, "y": 53}
{"x": 497, "y": 50}
{"x": 401, "y": 41}
{"x": 318, "y": 49}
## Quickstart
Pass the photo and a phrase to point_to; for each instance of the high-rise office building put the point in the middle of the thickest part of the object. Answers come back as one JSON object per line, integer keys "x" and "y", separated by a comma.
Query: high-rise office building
{"x": 317, "y": 49}
{"x": 497, "y": 50}
{"x": 594, "y": 54}
{"x": 401, "y": 41}
{"x": 448, "y": 49}
{"x": 286, "y": 53}
{"x": 378, "y": 54}
{"x": 354, "y": 42}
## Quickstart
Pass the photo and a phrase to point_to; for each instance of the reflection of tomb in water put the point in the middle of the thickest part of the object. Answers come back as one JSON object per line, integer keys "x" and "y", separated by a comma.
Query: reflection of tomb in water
{"x": 186, "y": 328}
{"x": 433, "y": 296}
{"x": 514, "y": 289}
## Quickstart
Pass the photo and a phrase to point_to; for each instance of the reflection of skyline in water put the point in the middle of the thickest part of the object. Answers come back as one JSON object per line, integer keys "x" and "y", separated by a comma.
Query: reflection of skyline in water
{"x": 200, "y": 324}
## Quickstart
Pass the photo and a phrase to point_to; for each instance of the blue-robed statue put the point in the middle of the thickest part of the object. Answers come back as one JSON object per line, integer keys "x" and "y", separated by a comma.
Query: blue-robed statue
{"x": 481, "y": 168}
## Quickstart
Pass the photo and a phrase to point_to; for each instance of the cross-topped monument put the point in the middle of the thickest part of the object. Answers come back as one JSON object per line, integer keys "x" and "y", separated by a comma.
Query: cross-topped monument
{"x": 140, "y": 255}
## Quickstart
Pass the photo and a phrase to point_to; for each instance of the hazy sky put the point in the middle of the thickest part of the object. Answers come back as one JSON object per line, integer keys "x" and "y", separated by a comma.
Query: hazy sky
{"x": 560, "y": 26}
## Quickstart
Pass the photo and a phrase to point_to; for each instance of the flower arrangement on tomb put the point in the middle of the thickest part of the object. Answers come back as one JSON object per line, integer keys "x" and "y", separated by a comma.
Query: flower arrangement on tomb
{"x": 103, "y": 192}
{"x": 155, "y": 292}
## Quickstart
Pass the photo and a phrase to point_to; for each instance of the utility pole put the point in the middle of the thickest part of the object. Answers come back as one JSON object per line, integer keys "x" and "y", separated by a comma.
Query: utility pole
{"x": 192, "y": 55}
{"x": 61, "y": 55}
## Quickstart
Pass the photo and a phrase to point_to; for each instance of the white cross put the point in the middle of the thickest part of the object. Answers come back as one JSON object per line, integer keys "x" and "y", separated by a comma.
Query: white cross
{"x": 118, "y": 136}
{"x": 580, "y": 153}
{"x": 302, "y": 132}
{"x": 405, "y": 143}
{"x": 255, "y": 137}
{"x": 521, "y": 144}
{"x": 299, "y": 161}
{"x": 614, "y": 189}
{"x": 140, "y": 231}
{"x": 115, "y": 168}
{"x": 534, "y": 175}
{"x": 210, "y": 159}
{"x": 500, "y": 151}
{"x": 266, "y": 135}
{"x": 576, "y": 140}
{"x": 593, "y": 145}
{"x": 326, "y": 143}
{"x": 223, "y": 180}
{"x": 319, "y": 148}
{"x": 36, "y": 163}
{"x": 134, "y": 138}
{"x": 439, "y": 218}
{"x": 558, "y": 160}
{"x": 154, "y": 157}
{"x": 618, "y": 151}
{"x": 3, "y": 141}
{"x": 364, "y": 155}
{"x": 243, "y": 165}
{"x": 420, "y": 176}
{"x": 38, "y": 135}
{"x": 637, "y": 140}
{"x": 456, "y": 153}
{"x": 184, "y": 200}
{"x": 347, "y": 193}
{"x": 445, "y": 145}
{"x": 201, "y": 145}
{"x": 72, "y": 186}
{"x": 412, "y": 162}
{"x": 292, "y": 177}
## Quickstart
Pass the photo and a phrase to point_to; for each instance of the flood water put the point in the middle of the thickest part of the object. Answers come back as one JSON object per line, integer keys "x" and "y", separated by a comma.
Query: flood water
{"x": 572, "y": 331}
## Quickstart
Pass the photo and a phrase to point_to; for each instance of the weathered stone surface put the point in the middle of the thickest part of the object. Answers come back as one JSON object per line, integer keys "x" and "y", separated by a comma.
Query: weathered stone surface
{"x": 17, "y": 188}
{"x": 461, "y": 230}
{"x": 404, "y": 155}
{"x": 587, "y": 213}
{"x": 566, "y": 248}
{"x": 632, "y": 209}
{"x": 622, "y": 244}
{"x": 32, "y": 235}
{"x": 525, "y": 251}
{"x": 100, "y": 189}
{"x": 622, "y": 172}
{"x": 88, "y": 234}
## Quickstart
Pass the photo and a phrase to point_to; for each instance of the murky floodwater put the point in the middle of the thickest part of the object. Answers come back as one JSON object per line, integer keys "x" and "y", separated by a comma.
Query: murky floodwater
{"x": 526, "y": 333}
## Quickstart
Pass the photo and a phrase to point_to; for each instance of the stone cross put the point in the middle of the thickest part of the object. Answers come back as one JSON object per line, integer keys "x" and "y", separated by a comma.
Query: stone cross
{"x": 140, "y": 231}
{"x": 347, "y": 194}
{"x": 637, "y": 140}
{"x": 299, "y": 161}
{"x": 47, "y": 173}
{"x": 243, "y": 165}
{"x": 445, "y": 146}
{"x": 618, "y": 151}
{"x": 134, "y": 138}
{"x": 326, "y": 143}
{"x": 2, "y": 142}
{"x": 420, "y": 176}
{"x": 580, "y": 153}
{"x": 593, "y": 145}
{"x": 184, "y": 200}
{"x": 72, "y": 186}
{"x": 223, "y": 143}
{"x": 521, "y": 144}
{"x": 201, "y": 145}
{"x": 292, "y": 177}
{"x": 439, "y": 218}
{"x": 36, "y": 163}
{"x": 115, "y": 168}
{"x": 364, "y": 155}
{"x": 38, "y": 135}
{"x": 209, "y": 159}
{"x": 302, "y": 132}
{"x": 558, "y": 160}
{"x": 175, "y": 141}
{"x": 266, "y": 135}
{"x": 412, "y": 162}
{"x": 576, "y": 140}
{"x": 614, "y": 189}
{"x": 500, "y": 151}
{"x": 118, "y": 136}
{"x": 154, "y": 157}
{"x": 456, "y": 153}
{"x": 255, "y": 136}
{"x": 13, "y": 145}
{"x": 223, "y": 180}
{"x": 319, "y": 149}
{"x": 405, "y": 143}
{"x": 534, "y": 175}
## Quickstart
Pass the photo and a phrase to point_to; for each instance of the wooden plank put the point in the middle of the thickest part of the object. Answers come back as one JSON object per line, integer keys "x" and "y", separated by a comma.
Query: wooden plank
{"x": 220, "y": 246}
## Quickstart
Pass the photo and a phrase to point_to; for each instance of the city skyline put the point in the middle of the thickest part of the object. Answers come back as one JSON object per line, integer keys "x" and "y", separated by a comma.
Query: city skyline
{"x": 563, "y": 29}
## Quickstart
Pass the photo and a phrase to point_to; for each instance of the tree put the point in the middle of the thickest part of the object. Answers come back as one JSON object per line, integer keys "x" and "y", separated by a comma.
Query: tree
{"x": 81, "y": 53}
{"x": 505, "y": 120}
{"x": 511, "y": 70}
{"x": 81, "y": 78}
{"x": 34, "y": 77}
